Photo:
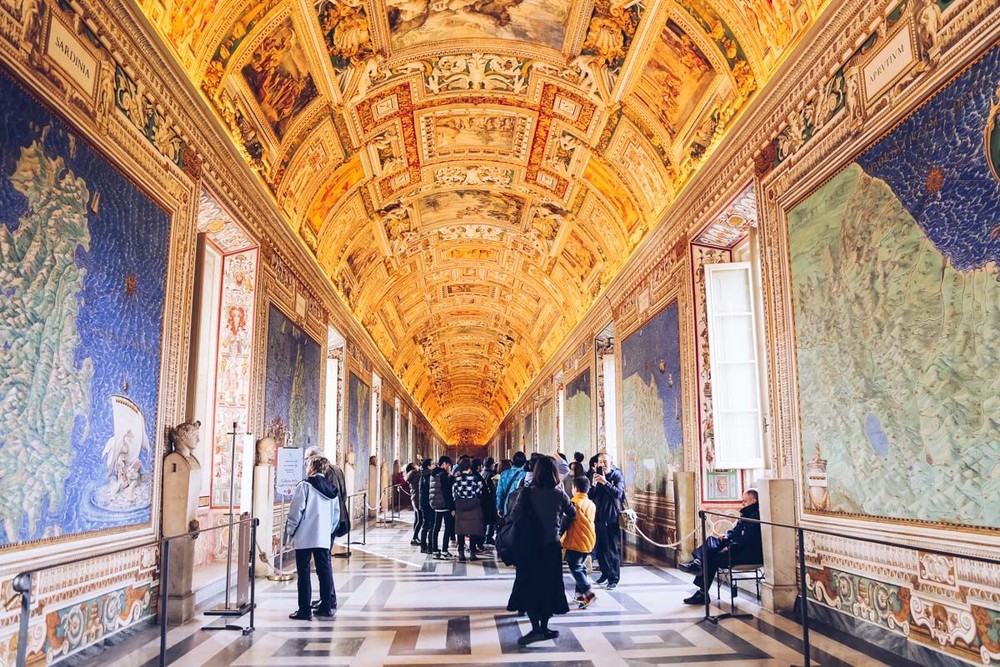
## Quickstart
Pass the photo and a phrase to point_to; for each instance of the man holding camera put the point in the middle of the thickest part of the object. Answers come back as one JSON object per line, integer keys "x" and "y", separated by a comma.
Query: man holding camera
{"x": 607, "y": 490}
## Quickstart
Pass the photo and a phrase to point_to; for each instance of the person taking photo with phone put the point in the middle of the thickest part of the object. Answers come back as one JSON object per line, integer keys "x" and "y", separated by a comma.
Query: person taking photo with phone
{"x": 607, "y": 490}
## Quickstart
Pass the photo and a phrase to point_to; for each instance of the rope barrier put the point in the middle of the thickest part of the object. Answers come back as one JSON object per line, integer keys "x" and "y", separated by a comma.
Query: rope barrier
{"x": 632, "y": 528}
{"x": 262, "y": 557}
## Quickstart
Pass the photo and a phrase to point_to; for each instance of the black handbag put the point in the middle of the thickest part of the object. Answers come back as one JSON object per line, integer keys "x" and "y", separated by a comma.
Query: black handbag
{"x": 516, "y": 538}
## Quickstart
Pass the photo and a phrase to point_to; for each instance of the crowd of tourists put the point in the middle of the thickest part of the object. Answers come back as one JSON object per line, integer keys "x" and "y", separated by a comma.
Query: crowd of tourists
{"x": 533, "y": 513}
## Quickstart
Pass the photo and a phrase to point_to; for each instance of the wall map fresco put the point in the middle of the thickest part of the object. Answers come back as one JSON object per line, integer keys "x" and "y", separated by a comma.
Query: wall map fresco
{"x": 576, "y": 411}
{"x": 359, "y": 427}
{"x": 651, "y": 403}
{"x": 897, "y": 315}
{"x": 83, "y": 265}
{"x": 291, "y": 385}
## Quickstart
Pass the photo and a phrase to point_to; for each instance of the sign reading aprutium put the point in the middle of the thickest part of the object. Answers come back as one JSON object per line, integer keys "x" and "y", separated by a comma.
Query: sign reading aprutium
{"x": 888, "y": 63}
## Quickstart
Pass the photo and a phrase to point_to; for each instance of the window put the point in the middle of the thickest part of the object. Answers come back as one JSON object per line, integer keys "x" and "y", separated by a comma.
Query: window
{"x": 735, "y": 366}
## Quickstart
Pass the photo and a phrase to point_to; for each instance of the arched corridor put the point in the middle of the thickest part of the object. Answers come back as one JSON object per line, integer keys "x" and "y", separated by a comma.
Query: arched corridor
{"x": 736, "y": 262}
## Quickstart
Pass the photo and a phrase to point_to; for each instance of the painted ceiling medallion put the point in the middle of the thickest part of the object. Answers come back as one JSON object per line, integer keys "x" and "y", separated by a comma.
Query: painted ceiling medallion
{"x": 471, "y": 175}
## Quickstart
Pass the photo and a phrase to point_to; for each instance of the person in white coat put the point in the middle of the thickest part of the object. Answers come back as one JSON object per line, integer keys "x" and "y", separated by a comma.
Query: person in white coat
{"x": 312, "y": 518}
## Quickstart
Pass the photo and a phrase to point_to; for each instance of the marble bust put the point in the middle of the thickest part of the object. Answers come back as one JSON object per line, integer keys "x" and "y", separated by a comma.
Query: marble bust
{"x": 184, "y": 438}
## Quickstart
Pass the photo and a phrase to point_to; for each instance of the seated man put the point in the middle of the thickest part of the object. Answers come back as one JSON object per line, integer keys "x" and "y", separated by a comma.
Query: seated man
{"x": 742, "y": 544}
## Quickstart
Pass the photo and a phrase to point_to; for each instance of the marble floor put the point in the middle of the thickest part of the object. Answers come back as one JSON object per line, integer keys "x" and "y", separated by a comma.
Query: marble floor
{"x": 398, "y": 608}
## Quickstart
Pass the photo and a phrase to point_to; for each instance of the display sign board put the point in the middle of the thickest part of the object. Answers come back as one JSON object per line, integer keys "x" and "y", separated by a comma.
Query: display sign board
{"x": 290, "y": 471}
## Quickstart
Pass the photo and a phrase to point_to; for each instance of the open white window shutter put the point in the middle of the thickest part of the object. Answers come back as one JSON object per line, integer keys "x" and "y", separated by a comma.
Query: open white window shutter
{"x": 735, "y": 366}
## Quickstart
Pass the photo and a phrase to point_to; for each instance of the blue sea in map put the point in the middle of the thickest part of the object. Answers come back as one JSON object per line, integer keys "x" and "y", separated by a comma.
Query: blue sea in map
{"x": 946, "y": 183}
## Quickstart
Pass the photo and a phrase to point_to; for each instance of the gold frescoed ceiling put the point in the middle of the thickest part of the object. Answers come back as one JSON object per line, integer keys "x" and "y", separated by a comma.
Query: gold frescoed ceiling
{"x": 471, "y": 175}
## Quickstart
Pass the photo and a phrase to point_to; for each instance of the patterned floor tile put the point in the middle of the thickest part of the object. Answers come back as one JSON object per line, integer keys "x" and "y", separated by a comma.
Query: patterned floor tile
{"x": 399, "y": 607}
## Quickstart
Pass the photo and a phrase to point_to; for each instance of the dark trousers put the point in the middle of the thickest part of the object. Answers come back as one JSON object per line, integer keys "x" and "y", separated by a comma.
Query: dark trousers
{"x": 575, "y": 561}
{"x": 426, "y": 526}
{"x": 418, "y": 522}
{"x": 443, "y": 517}
{"x": 475, "y": 544}
{"x": 607, "y": 552}
{"x": 324, "y": 572}
{"x": 713, "y": 557}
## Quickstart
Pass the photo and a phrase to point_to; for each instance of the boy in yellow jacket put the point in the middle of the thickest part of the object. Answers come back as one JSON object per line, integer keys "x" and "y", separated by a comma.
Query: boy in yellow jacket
{"x": 580, "y": 539}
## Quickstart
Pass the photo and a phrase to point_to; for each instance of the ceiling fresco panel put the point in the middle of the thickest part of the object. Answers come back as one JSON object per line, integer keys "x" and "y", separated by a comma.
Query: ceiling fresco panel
{"x": 183, "y": 24}
{"x": 675, "y": 79}
{"x": 440, "y": 208}
{"x": 457, "y": 133}
{"x": 417, "y": 22}
{"x": 346, "y": 31}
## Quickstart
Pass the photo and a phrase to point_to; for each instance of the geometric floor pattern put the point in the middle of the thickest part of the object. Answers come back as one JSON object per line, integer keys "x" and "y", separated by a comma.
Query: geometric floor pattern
{"x": 398, "y": 608}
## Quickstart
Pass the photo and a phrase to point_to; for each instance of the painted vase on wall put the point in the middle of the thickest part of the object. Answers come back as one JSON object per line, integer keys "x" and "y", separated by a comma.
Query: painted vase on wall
{"x": 816, "y": 483}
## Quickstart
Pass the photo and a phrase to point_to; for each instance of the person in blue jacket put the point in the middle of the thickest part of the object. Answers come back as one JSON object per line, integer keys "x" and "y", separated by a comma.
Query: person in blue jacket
{"x": 312, "y": 517}
{"x": 510, "y": 480}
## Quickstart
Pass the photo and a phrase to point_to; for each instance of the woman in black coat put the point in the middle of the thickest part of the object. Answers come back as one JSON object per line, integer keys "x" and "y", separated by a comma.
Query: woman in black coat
{"x": 538, "y": 585}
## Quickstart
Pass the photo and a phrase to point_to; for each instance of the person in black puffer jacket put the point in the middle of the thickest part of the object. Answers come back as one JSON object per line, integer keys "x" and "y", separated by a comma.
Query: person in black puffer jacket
{"x": 413, "y": 488}
{"x": 443, "y": 502}
{"x": 426, "y": 511}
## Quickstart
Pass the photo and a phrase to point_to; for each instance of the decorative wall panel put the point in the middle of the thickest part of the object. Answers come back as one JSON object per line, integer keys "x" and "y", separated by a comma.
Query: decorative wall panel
{"x": 232, "y": 389}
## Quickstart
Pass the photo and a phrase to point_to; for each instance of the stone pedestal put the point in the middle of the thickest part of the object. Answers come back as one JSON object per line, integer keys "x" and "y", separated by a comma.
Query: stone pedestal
{"x": 777, "y": 504}
{"x": 263, "y": 509}
{"x": 181, "y": 483}
{"x": 686, "y": 508}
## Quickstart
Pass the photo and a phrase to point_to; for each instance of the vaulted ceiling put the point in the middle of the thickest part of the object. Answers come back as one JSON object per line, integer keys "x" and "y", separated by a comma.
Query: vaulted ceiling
{"x": 471, "y": 174}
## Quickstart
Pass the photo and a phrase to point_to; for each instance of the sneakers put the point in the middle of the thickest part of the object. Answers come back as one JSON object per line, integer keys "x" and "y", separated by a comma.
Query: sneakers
{"x": 612, "y": 585}
{"x": 697, "y": 598}
{"x": 583, "y": 601}
{"x": 602, "y": 579}
{"x": 414, "y": 543}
